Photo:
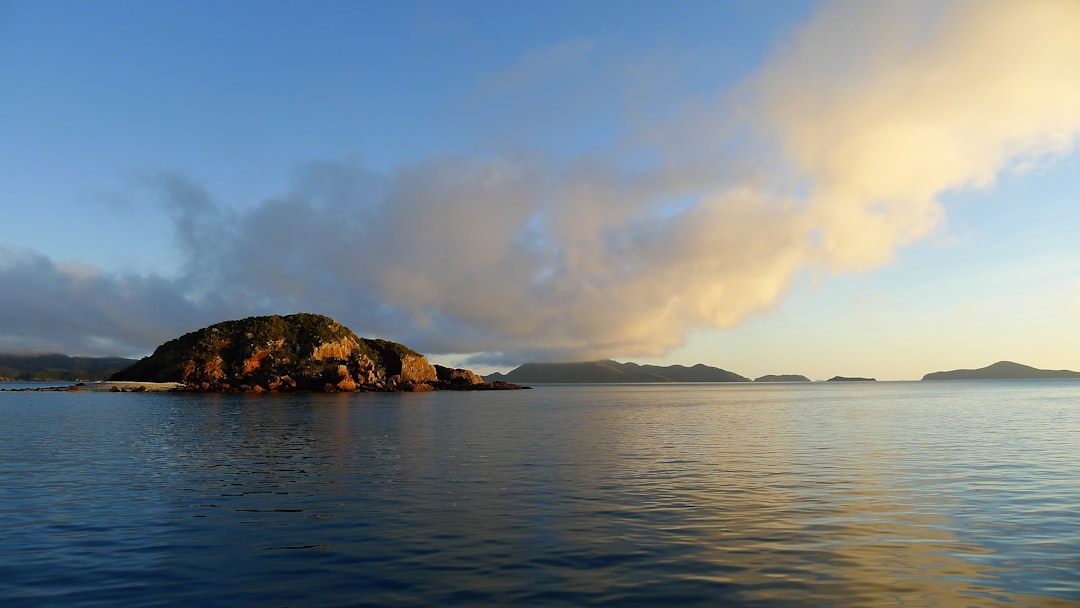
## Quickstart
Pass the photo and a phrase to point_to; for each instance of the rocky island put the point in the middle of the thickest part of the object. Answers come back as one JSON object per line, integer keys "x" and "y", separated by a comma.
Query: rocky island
{"x": 296, "y": 353}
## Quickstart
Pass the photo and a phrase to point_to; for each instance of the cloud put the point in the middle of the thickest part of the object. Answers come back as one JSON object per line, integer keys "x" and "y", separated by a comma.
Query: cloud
{"x": 862, "y": 120}
{"x": 74, "y": 308}
{"x": 464, "y": 255}
{"x": 884, "y": 106}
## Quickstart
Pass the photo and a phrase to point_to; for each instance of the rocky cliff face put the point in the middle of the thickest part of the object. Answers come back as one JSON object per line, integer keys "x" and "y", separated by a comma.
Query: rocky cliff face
{"x": 457, "y": 377}
{"x": 301, "y": 352}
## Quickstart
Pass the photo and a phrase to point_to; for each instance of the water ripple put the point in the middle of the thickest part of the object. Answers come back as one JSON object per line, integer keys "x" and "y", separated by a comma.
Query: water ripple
{"x": 890, "y": 494}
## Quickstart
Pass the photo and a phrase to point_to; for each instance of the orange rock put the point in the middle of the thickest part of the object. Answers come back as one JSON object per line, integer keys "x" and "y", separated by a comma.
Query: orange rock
{"x": 253, "y": 362}
{"x": 457, "y": 377}
{"x": 338, "y": 349}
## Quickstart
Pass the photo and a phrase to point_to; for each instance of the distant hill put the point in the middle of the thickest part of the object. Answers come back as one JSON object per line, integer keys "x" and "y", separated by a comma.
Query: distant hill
{"x": 60, "y": 367}
{"x": 782, "y": 378}
{"x": 851, "y": 379}
{"x": 1002, "y": 370}
{"x": 608, "y": 371}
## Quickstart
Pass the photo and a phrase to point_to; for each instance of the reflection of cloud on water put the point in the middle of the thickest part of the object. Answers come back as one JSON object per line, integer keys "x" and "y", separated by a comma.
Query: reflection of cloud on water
{"x": 762, "y": 495}
{"x": 876, "y": 518}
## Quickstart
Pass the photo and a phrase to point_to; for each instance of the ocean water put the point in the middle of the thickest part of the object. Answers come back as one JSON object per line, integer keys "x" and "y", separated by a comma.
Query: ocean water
{"x": 868, "y": 494}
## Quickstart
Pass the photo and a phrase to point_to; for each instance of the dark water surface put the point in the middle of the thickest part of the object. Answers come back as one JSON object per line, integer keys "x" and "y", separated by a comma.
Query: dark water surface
{"x": 905, "y": 494}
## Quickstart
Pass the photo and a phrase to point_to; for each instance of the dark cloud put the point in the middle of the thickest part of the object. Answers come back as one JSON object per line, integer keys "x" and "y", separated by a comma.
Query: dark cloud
{"x": 72, "y": 308}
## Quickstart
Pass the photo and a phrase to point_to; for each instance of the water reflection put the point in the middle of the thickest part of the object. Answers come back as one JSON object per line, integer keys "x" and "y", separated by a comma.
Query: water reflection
{"x": 648, "y": 495}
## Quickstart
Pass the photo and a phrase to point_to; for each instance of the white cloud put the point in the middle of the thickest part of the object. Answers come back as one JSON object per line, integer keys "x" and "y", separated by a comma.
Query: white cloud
{"x": 883, "y": 106}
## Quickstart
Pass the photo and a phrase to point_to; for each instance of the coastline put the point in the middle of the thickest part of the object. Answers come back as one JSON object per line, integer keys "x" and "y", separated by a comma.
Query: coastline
{"x": 103, "y": 386}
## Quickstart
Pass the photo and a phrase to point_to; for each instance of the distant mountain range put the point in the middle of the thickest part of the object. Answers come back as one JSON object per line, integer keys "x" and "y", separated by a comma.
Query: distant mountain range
{"x": 608, "y": 371}
{"x": 60, "y": 367}
{"x": 613, "y": 372}
{"x": 1002, "y": 370}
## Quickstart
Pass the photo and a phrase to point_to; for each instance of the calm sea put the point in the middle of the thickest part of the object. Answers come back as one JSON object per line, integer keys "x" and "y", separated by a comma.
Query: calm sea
{"x": 875, "y": 494}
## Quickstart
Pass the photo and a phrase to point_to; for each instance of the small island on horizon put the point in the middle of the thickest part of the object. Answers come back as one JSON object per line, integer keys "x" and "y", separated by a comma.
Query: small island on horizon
{"x": 782, "y": 378}
{"x": 1002, "y": 370}
{"x": 612, "y": 372}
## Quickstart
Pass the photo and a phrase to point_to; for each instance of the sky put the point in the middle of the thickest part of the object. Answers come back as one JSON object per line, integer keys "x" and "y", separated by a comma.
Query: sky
{"x": 878, "y": 189}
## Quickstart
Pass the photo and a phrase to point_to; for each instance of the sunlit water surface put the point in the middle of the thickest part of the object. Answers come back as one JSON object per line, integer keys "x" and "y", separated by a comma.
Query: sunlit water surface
{"x": 907, "y": 494}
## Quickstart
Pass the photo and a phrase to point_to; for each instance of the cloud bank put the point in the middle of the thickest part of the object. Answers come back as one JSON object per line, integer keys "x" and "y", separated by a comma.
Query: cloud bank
{"x": 856, "y": 127}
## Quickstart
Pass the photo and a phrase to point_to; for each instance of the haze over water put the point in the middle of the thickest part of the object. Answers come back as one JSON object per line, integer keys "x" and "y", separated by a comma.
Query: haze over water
{"x": 872, "y": 494}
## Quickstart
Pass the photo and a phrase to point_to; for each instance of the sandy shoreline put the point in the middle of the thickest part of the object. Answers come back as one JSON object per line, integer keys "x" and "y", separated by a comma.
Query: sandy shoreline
{"x": 105, "y": 386}
{"x": 129, "y": 386}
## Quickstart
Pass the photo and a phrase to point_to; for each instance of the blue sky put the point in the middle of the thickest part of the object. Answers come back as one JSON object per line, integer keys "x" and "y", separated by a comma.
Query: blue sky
{"x": 880, "y": 189}
{"x": 240, "y": 96}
